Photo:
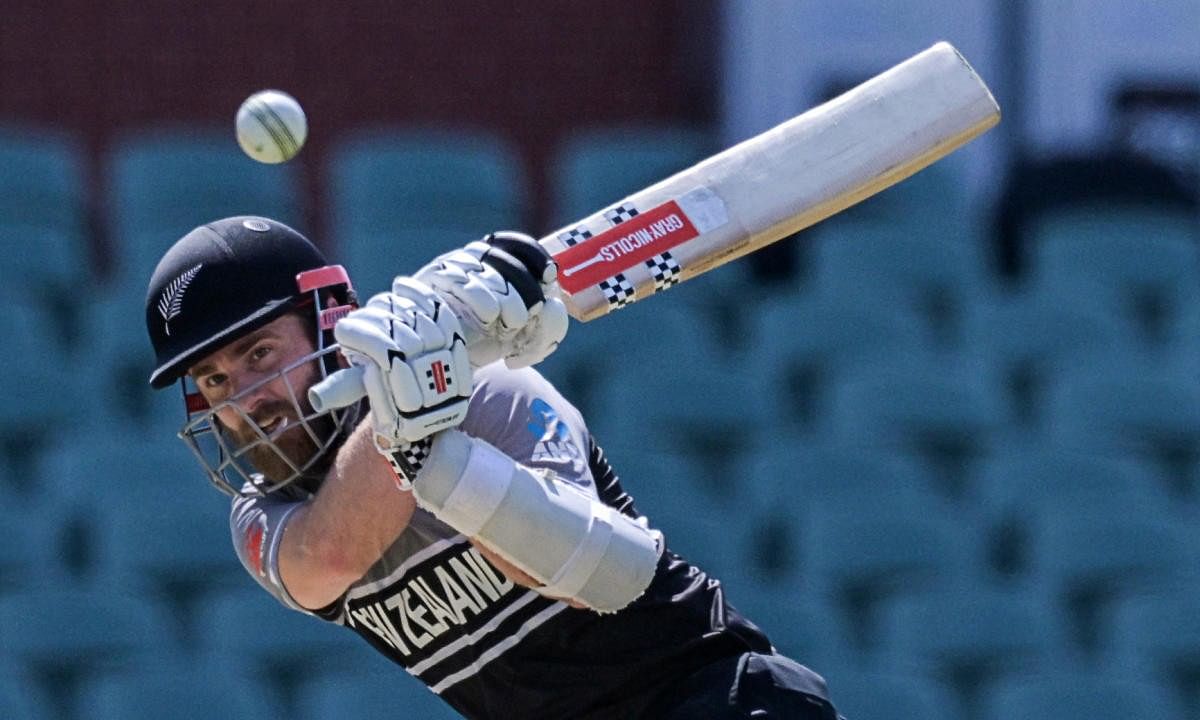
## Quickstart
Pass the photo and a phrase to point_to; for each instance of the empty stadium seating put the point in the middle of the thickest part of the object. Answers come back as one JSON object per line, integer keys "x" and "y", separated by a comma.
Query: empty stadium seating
{"x": 1079, "y": 695}
{"x": 1157, "y": 634}
{"x": 595, "y": 168}
{"x": 374, "y": 690}
{"x": 878, "y": 694}
{"x": 184, "y": 689}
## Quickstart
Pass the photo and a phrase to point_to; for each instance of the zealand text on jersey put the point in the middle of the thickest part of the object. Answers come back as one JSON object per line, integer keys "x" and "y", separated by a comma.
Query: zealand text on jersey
{"x": 446, "y": 595}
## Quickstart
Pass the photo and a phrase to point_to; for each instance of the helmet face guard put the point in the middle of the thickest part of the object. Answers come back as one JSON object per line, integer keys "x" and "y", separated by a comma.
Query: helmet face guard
{"x": 228, "y": 462}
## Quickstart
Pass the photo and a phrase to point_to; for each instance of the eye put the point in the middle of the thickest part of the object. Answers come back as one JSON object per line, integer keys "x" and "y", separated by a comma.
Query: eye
{"x": 260, "y": 352}
{"x": 215, "y": 380}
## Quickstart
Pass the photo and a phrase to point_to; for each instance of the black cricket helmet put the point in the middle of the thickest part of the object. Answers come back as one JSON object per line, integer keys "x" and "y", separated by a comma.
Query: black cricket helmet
{"x": 218, "y": 283}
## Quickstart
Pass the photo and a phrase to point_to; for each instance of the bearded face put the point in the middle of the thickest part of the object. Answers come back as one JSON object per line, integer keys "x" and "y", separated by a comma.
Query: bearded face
{"x": 257, "y": 388}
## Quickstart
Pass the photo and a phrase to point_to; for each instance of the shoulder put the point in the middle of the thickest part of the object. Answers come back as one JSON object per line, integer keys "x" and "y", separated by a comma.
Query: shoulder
{"x": 505, "y": 396}
{"x": 523, "y": 414}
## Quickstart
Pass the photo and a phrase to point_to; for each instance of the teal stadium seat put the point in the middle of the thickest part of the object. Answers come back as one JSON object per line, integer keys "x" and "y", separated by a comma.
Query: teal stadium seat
{"x": 884, "y": 694}
{"x": 1158, "y": 634}
{"x": 664, "y": 330}
{"x": 399, "y": 197}
{"x": 164, "y": 182}
{"x": 1086, "y": 560}
{"x": 1018, "y": 482}
{"x": 1080, "y": 695}
{"x": 970, "y": 636}
{"x": 1033, "y": 340}
{"x": 801, "y": 343}
{"x": 595, "y": 168}
{"x": 1131, "y": 408}
{"x": 149, "y": 516}
{"x": 858, "y": 558}
{"x": 180, "y": 690}
{"x": 932, "y": 276}
{"x": 41, "y": 185}
{"x": 282, "y": 645}
{"x": 944, "y": 413}
{"x": 76, "y": 628}
{"x": 20, "y": 698}
{"x": 375, "y": 690}
{"x": 1141, "y": 264}
{"x": 783, "y": 478}
{"x": 800, "y": 624}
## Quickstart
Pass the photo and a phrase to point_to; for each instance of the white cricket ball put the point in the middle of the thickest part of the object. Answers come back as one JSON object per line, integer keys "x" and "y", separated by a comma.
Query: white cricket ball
{"x": 271, "y": 126}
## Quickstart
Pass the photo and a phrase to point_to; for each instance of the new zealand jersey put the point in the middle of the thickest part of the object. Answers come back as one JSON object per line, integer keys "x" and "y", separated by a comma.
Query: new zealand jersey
{"x": 493, "y": 649}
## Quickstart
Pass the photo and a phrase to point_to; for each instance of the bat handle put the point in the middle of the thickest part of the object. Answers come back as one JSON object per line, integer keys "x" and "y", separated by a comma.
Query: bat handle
{"x": 345, "y": 387}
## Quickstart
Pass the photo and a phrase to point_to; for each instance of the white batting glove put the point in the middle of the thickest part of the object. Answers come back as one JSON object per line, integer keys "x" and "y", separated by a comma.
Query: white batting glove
{"x": 505, "y": 287}
{"x": 416, "y": 371}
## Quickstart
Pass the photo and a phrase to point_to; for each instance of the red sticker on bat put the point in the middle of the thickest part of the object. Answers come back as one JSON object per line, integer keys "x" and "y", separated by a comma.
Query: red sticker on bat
{"x": 623, "y": 246}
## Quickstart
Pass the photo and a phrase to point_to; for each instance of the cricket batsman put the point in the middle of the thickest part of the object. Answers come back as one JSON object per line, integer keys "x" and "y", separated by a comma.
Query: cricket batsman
{"x": 460, "y": 518}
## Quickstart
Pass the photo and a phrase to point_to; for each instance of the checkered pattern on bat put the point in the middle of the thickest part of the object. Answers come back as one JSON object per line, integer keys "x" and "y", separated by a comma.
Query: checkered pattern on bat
{"x": 574, "y": 236}
{"x": 620, "y": 213}
{"x": 618, "y": 291}
{"x": 665, "y": 270}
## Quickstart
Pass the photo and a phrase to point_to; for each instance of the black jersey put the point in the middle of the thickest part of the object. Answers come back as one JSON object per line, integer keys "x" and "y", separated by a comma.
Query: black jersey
{"x": 493, "y": 649}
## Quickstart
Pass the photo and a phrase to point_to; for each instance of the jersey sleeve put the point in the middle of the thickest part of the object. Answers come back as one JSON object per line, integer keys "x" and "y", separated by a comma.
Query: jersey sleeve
{"x": 523, "y": 415}
{"x": 257, "y": 524}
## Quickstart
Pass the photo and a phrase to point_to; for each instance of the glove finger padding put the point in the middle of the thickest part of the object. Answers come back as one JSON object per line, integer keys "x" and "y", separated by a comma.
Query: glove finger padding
{"x": 541, "y": 337}
{"x": 416, "y": 371}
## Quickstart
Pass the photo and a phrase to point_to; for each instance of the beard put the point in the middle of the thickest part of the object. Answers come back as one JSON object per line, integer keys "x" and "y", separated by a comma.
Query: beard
{"x": 291, "y": 454}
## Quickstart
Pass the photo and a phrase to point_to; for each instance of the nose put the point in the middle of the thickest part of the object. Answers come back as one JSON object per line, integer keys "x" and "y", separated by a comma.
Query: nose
{"x": 247, "y": 397}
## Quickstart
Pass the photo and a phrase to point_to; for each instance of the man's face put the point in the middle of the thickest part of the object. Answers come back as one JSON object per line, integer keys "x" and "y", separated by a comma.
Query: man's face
{"x": 260, "y": 357}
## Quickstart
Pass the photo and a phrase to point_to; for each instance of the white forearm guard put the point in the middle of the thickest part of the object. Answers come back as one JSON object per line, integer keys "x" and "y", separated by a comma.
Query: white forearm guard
{"x": 577, "y": 546}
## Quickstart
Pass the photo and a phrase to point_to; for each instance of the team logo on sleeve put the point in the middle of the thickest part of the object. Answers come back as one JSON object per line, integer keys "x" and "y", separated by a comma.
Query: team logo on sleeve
{"x": 552, "y": 437}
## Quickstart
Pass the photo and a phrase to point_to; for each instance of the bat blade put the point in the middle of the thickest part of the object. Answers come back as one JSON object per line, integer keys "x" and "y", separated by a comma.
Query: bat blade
{"x": 774, "y": 184}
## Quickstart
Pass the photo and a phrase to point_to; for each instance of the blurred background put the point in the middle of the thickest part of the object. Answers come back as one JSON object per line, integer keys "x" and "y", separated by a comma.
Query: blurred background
{"x": 944, "y": 447}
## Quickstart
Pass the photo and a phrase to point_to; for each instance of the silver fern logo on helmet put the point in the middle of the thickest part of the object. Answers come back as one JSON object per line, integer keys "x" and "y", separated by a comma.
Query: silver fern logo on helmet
{"x": 170, "y": 304}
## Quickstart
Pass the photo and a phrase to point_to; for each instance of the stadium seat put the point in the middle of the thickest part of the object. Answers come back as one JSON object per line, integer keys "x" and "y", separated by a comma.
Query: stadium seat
{"x": 627, "y": 344}
{"x": 1032, "y": 339}
{"x": 1086, "y": 559}
{"x": 164, "y": 182}
{"x": 250, "y": 624}
{"x": 970, "y": 635}
{"x": 181, "y": 690}
{"x": 41, "y": 188}
{"x": 20, "y": 697}
{"x": 1068, "y": 695}
{"x": 932, "y": 276}
{"x": 1016, "y": 482}
{"x": 170, "y": 529}
{"x": 1141, "y": 263}
{"x": 405, "y": 179}
{"x": 800, "y": 624}
{"x": 595, "y": 168}
{"x": 880, "y": 694}
{"x": 1158, "y": 634}
{"x": 375, "y": 690}
{"x": 803, "y": 342}
{"x": 83, "y": 627}
{"x": 695, "y": 401}
{"x": 1132, "y": 408}
{"x": 861, "y": 557}
{"x": 944, "y": 413}
{"x": 374, "y": 258}
{"x": 781, "y": 476}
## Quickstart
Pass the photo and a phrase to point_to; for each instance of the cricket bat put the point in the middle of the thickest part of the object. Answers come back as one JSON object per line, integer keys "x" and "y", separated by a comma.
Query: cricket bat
{"x": 761, "y": 190}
